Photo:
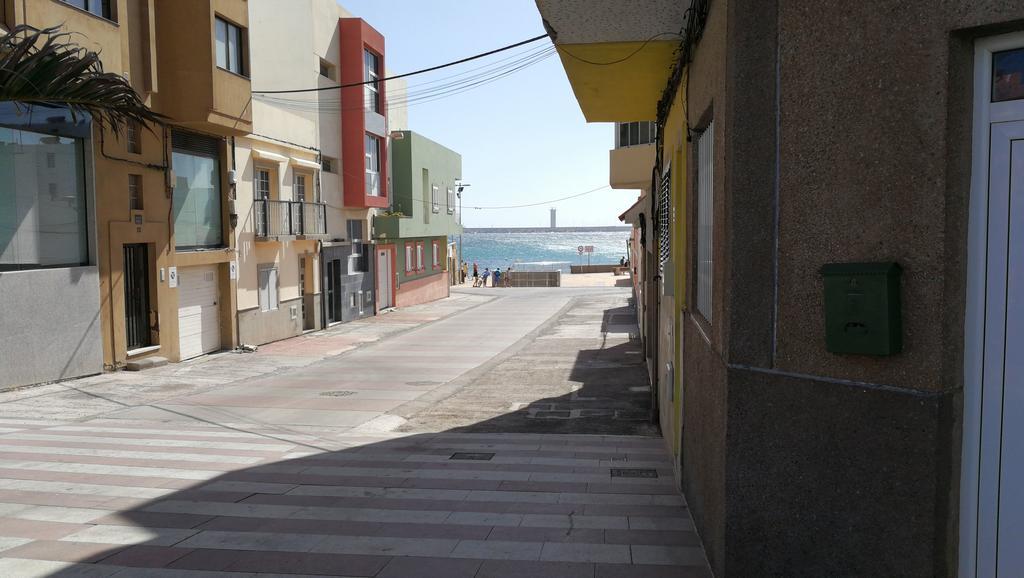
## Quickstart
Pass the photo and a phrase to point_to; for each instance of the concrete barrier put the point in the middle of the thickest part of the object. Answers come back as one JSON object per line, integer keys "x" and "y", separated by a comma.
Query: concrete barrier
{"x": 534, "y": 278}
{"x": 609, "y": 268}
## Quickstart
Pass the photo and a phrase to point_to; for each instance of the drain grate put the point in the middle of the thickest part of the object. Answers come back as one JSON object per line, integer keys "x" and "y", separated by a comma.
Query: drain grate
{"x": 634, "y": 473}
{"x": 477, "y": 456}
{"x": 337, "y": 393}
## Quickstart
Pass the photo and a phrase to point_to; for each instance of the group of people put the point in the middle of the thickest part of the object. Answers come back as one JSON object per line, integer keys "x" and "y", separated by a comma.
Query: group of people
{"x": 497, "y": 278}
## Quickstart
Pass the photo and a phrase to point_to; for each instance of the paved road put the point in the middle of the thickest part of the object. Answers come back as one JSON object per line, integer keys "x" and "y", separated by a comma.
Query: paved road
{"x": 287, "y": 462}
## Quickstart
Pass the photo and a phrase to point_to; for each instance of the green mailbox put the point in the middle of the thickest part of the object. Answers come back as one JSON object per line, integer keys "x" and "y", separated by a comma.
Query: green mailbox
{"x": 862, "y": 308}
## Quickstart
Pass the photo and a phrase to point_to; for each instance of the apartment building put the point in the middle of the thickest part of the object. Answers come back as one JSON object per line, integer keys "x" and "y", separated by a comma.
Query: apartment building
{"x": 320, "y": 157}
{"x": 413, "y": 252}
{"x": 120, "y": 247}
{"x": 833, "y": 217}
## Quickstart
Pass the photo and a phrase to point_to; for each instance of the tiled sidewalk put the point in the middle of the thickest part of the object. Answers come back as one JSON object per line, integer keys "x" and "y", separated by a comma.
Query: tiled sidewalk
{"x": 128, "y": 499}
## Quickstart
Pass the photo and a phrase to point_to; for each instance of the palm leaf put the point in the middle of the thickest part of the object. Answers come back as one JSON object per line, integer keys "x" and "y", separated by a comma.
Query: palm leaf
{"x": 44, "y": 68}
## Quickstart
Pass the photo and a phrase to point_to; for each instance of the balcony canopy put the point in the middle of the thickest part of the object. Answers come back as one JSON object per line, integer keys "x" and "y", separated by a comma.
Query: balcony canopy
{"x": 614, "y": 75}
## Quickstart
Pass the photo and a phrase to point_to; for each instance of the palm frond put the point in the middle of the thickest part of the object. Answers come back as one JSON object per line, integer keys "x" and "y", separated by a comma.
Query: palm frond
{"x": 45, "y": 68}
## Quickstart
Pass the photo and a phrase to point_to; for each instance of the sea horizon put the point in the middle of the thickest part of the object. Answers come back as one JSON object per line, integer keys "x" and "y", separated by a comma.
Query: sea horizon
{"x": 542, "y": 248}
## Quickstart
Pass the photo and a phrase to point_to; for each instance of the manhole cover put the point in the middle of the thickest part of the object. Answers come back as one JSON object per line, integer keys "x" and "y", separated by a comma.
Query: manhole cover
{"x": 478, "y": 456}
{"x": 337, "y": 393}
{"x": 423, "y": 383}
{"x": 634, "y": 473}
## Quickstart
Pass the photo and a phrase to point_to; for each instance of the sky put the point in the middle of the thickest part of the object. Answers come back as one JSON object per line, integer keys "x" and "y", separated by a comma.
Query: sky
{"x": 522, "y": 138}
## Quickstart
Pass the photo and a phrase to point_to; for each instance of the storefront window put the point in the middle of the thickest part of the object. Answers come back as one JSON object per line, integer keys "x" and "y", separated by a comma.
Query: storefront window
{"x": 43, "y": 212}
{"x": 197, "y": 216}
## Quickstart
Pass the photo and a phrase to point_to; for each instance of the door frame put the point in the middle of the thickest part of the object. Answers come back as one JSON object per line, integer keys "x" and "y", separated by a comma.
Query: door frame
{"x": 146, "y": 292}
{"x": 391, "y": 250}
{"x": 985, "y": 113}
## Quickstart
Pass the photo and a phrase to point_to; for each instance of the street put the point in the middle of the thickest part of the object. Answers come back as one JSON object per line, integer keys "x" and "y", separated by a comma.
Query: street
{"x": 496, "y": 433}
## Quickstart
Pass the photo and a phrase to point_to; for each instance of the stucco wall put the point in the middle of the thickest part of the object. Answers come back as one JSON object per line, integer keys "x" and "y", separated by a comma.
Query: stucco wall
{"x": 49, "y": 325}
{"x": 257, "y": 327}
{"x": 422, "y": 290}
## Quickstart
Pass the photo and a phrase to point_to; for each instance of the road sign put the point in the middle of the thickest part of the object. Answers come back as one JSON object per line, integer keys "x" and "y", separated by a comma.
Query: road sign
{"x": 588, "y": 249}
{"x": 581, "y": 249}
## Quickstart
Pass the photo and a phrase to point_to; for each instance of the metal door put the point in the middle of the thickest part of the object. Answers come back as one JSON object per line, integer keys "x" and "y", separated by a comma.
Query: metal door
{"x": 302, "y": 292}
{"x": 334, "y": 290}
{"x": 136, "y": 296}
{"x": 384, "y": 278}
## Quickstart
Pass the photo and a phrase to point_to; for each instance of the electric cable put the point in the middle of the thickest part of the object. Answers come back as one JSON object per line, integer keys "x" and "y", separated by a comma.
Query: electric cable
{"x": 397, "y": 76}
{"x": 548, "y": 202}
{"x": 624, "y": 58}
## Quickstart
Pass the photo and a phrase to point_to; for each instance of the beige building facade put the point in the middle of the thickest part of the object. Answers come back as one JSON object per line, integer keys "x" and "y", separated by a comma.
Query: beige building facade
{"x": 162, "y": 197}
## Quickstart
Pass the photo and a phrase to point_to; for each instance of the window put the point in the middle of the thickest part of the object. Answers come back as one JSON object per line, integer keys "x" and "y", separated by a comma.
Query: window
{"x": 419, "y": 256}
{"x": 371, "y": 92}
{"x": 358, "y": 261}
{"x": 197, "y": 203}
{"x": 354, "y": 228}
{"x": 372, "y": 166}
{"x": 101, "y": 8}
{"x": 705, "y": 219}
{"x": 230, "y": 46}
{"x": 409, "y": 262}
{"x": 134, "y": 137}
{"x": 42, "y": 222}
{"x": 328, "y": 165}
{"x": 436, "y": 246}
{"x": 267, "y": 287}
{"x": 451, "y": 201}
{"x": 327, "y": 69}
{"x": 434, "y": 206}
{"x": 635, "y": 133}
{"x": 299, "y": 189}
{"x": 262, "y": 188}
{"x": 135, "y": 192}
{"x": 1008, "y": 75}
{"x": 353, "y": 300}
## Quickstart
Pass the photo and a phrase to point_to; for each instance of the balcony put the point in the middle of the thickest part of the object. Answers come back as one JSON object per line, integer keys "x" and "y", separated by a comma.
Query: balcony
{"x": 280, "y": 220}
{"x": 406, "y": 227}
{"x": 630, "y": 167}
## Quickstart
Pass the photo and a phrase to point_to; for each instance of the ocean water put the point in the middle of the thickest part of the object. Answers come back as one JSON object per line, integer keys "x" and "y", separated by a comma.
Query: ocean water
{"x": 548, "y": 250}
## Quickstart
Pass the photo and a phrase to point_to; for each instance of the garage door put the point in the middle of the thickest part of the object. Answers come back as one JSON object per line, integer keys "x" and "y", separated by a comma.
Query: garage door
{"x": 198, "y": 312}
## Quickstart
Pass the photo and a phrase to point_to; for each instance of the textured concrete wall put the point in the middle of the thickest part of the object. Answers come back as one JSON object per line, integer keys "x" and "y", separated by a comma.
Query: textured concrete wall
{"x": 422, "y": 290}
{"x": 257, "y": 327}
{"x": 49, "y": 325}
{"x": 857, "y": 131}
{"x": 874, "y": 164}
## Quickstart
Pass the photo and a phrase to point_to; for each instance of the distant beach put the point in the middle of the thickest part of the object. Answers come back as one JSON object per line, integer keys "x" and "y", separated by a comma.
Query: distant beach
{"x": 543, "y": 249}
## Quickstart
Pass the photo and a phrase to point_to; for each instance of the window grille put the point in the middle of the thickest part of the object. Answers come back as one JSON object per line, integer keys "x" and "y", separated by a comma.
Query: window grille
{"x": 705, "y": 220}
{"x": 664, "y": 222}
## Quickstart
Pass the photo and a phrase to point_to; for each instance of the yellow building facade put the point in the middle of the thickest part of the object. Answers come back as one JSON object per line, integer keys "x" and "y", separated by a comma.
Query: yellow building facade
{"x": 163, "y": 196}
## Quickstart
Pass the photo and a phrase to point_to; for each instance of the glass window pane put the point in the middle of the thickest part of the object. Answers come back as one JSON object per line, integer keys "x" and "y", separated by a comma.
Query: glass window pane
{"x": 233, "y": 49}
{"x": 1008, "y": 75}
{"x": 221, "y": 29}
{"x": 634, "y": 133}
{"x": 196, "y": 201}
{"x": 42, "y": 206}
{"x": 623, "y": 134}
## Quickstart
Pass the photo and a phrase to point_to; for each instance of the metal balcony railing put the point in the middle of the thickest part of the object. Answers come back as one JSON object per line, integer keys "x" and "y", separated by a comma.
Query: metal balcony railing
{"x": 289, "y": 218}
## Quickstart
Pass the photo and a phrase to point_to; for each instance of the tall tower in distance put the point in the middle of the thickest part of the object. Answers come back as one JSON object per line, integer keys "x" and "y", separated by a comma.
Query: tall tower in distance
{"x": 553, "y": 226}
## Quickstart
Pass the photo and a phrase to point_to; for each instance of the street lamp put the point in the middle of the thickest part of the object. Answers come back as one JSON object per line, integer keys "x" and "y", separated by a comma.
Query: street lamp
{"x": 461, "y": 186}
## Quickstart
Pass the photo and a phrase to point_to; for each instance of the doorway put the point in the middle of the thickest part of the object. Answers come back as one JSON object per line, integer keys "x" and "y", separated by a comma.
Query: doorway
{"x": 334, "y": 304}
{"x": 384, "y": 277}
{"x": 992, "y": 505}
{"x": 136, "y": 296}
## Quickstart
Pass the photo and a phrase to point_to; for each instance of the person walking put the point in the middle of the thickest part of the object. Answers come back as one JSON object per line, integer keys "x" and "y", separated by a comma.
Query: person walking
{"x": 463, "y": 272}
{"x": 476, "y": 275}
{"x": 497, "y": 277}
{"x": 485, "y": 276}
{"x": 508, "y": 277}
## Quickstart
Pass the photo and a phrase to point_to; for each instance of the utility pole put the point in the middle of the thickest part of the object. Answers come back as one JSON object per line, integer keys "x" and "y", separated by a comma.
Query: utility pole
{"x": 461, "y": 187}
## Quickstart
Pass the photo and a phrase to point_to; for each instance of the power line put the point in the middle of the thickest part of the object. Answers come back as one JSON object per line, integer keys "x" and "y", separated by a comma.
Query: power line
{"x": 624, "y": 58}
{"x": 548, "y": 202}
{"x": 402, "y": 98}
{"x": 421, "y": 71}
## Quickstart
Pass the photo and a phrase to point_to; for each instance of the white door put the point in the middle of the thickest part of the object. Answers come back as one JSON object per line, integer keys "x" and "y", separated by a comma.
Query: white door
{"x": 992, "y": 495}
{"x": 384, "y": 278}
{"x": 198, "y": 310}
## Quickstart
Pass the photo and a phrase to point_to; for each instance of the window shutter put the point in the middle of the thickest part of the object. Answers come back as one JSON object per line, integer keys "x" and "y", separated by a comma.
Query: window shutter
{"x": 664, "y": 221}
